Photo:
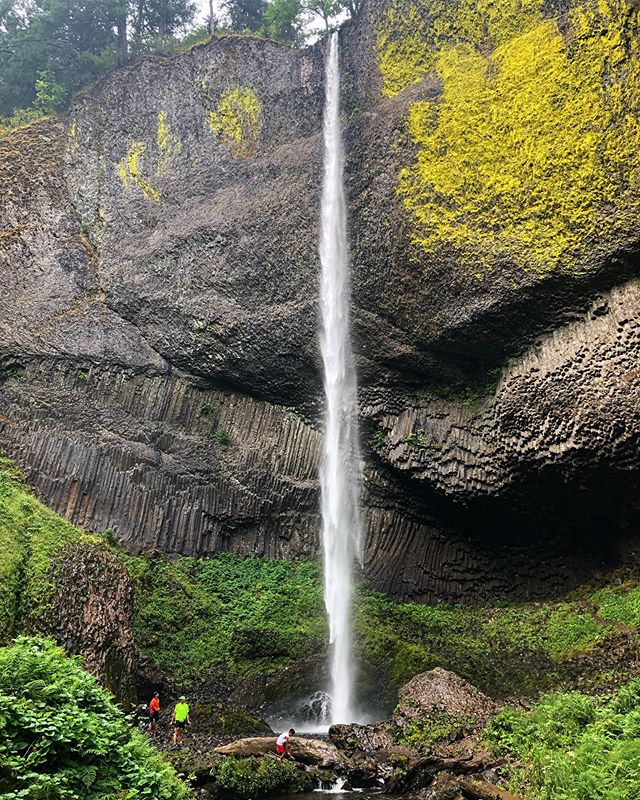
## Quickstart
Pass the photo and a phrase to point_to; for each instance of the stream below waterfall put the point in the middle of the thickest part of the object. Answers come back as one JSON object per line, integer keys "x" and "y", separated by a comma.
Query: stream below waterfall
{"x": 355, "y": 794}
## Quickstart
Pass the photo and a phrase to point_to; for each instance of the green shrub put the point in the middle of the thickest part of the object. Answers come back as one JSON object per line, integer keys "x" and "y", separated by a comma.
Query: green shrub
{"x": 256, "y": 777}
{"x": 567, "y": 633}
{"x": 221, "y": 435}
{"x": 572, "y": 746}
{"x": 426, "y": 731}
{"x": 63, "y": 738}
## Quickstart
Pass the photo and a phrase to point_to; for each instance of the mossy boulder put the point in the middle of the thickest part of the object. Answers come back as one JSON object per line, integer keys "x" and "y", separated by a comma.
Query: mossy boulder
{"x": 438, "y": 705}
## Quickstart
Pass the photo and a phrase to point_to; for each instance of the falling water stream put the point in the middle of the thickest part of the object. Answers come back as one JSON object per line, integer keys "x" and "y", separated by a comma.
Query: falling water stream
{"x": 339, "y": 474}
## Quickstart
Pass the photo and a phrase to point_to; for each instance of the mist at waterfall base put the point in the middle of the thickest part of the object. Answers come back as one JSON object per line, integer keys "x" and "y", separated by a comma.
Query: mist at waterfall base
{"x": 340, "y": 470}
{"x": 311, "y": 714}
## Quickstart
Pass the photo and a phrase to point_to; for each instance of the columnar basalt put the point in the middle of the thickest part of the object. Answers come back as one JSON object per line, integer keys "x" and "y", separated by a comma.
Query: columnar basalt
{"x": 159, "y": 373}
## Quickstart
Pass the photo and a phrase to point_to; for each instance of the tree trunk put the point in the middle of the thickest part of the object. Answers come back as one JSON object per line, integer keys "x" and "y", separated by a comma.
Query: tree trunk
{"x": 123, "y": 54}
{"x": 211, "y": 24}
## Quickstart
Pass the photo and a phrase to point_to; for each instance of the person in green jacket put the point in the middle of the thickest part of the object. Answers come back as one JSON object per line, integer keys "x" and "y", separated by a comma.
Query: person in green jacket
{"x": 181, "y": 719}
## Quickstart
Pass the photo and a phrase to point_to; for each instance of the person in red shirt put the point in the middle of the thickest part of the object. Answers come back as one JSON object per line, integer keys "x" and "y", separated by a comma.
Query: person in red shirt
{"x": 154, "y": 713}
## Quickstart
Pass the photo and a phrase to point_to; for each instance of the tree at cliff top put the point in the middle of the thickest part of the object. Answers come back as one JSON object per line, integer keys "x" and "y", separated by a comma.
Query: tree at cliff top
{"x": 246, "y": 15}
{"x": 51, "y": 48}
{"x": 283, "y": 21}
{"x": 61, "y": 736}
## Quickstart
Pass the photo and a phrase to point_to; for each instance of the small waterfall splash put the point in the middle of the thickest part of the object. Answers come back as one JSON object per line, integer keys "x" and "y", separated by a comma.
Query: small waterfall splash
{"x": 339, "y": 474}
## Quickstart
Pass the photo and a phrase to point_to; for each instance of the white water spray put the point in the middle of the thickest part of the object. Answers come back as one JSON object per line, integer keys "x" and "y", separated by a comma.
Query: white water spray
{"x": 339, "y": 475}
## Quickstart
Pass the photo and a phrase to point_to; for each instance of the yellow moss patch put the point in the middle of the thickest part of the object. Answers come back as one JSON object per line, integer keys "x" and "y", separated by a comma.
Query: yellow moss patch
{"x": 73, "y": 129}
{"x": 237, "y": 120}
{"x": 411, "y": 33}
{"x": 404, "y": 54}
{"x": 168, "y": 143}
{"x": 531, "y": 154}
{"x": 130, "y": 172}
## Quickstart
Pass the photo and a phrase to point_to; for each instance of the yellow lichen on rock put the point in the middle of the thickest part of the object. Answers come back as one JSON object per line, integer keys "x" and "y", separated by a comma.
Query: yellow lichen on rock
{"x": 412, "y": 33}
{"x": 168, "y": 143}
{"x": 404, "y": 54}
{"x": 237, "y": 120}
{"x": 529, "y": 157}
{"x": 130, "y": 172}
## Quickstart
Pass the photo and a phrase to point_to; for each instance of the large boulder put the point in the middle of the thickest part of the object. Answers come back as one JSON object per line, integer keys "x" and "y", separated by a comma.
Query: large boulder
{"x": 439, "y": 693}
{"x": 372, "y": 737}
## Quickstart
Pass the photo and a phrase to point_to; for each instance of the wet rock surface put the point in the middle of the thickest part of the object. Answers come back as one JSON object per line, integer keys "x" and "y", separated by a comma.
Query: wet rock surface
{"x": 158, "y": 358}
{"x": 373, "y": 737}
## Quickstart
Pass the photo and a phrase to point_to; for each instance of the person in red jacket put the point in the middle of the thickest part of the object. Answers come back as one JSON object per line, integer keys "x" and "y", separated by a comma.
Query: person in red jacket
{"x": 154, "y": 713}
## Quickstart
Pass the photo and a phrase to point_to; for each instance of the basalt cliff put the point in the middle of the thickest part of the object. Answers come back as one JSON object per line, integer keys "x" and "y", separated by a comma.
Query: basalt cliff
{"x": 158, "y": 296}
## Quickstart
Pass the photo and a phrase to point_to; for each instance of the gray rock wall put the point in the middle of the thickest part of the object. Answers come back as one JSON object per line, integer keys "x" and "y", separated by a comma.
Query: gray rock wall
{"x": 158, "y": 357}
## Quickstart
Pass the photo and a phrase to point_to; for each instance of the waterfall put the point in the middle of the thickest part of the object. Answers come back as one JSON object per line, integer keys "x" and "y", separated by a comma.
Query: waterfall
{"x": 339, "y": 474}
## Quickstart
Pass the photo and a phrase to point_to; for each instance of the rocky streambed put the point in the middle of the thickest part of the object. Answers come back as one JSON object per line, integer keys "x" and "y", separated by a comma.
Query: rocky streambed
{"x": 430, "y": 747}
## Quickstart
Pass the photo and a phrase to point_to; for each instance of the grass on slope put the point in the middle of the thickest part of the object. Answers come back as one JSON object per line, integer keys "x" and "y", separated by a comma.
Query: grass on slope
{"x": 31, "y": 537}
{"x": 506, "y": 649}
{"x": 573, "y": 747}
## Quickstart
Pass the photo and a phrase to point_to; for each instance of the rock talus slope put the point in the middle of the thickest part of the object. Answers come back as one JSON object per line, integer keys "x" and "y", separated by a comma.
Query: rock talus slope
{"x": 159, "y": 367}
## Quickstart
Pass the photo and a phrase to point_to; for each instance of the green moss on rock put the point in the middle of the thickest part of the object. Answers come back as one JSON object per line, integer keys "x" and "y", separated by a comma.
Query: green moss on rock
{"x": 424, "y": 732}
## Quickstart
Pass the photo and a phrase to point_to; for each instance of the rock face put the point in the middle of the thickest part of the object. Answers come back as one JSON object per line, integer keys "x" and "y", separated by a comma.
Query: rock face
{"x": 158, "y": 303}
{"x": 91, "y": 614}
{"x": 440, "y": 691}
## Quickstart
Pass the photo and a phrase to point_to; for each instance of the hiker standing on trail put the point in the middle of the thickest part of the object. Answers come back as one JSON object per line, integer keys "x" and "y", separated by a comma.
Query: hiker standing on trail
{"x": 154, "y": 713}
{"x": 181, "y": 719}
{"x": 283, "y": 748}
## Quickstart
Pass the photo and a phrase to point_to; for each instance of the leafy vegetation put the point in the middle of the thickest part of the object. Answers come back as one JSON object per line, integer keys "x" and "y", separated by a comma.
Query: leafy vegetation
{"x": 258, "y": 777}
{"x": 620, "y": 604}
{"x": 49, "y": 49}
{"x": 33, "y": 537}
{"x": 226, "y": 616}
{"x": 573, "y": 746}
{"x": 516, "y": 648}
{"x": 423, "y": 732}
{"x": 62, "y": 737}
